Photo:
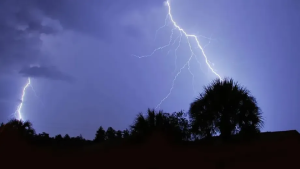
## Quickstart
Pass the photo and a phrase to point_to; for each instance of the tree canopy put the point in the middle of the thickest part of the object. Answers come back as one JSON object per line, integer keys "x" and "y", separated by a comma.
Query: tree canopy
{"x": 227, "y": 108}
{"x": 175, "y": 124}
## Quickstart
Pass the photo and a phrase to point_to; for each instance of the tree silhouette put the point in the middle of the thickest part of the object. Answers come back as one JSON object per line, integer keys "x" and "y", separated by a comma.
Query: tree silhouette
{"x": 180, "y": 125}
{"x": 175, "y": 124}
{"x": 126, "y": 133}
{"x": 24, "y": 128}
{"x": 119, "y": 134}
{"x": 67, "y": 137}
{"x": 227, "y": 108}
{"x": 80, "y": 137}
{"x": 100, "y": 135}
{"x": 140, "y": 126}
{"x": 110, "y": 134}
{"x": 45, "y": 135}
{"x": 58, "y": 138}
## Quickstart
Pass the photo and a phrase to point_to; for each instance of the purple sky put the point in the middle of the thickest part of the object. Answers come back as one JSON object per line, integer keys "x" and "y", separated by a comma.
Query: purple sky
{"x": 88, "y": 76}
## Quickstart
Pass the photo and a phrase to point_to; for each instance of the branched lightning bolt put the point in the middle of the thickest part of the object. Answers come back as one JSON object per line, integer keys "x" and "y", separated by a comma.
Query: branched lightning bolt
{"x": 18, "y": 111}
{"x": 192, "y": 36}
{"x": 187, "y": 64}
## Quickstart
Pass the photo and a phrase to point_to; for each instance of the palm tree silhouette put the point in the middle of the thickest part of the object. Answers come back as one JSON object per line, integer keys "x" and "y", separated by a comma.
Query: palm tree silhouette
{"x": 227, "y": 108}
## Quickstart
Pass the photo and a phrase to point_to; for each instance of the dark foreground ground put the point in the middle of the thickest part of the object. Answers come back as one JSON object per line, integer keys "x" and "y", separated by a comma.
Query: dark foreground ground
{"x": 270, "y": 150}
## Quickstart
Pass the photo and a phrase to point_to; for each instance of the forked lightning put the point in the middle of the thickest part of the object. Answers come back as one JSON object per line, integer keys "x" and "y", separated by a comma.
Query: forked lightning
{"x": 189, "y": 37}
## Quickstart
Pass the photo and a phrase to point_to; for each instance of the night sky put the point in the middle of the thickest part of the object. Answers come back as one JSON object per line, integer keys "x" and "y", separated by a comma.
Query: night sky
{"x": 80, "y": 57}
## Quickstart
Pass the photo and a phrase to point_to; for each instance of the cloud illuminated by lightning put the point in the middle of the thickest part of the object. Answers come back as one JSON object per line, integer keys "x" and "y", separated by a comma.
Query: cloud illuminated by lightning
{"x": 192, "y": 54}
{"x": 19, "y": 109}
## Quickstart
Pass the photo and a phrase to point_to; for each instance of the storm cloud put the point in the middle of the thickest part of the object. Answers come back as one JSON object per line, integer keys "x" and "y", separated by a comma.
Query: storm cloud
{"x": 24, "y": 22}
{"x": 21, "y": 25}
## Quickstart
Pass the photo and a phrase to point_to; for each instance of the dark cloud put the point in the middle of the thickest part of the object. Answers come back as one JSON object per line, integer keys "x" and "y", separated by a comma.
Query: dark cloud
{"x": 45, "y": 72}
{"x": 22, "y": 22}
{"x": 21, "y": 25}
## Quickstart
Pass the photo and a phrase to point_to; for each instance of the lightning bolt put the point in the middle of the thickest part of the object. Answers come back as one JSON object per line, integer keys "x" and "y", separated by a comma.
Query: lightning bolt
{"x": 188, "y": 37}
{"x": 194, "y": 37}
{"x": 18, "y": 111}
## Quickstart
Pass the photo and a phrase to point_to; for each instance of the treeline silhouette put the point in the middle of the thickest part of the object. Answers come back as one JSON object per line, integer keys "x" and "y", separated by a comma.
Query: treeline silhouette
{"x": 223, "y": 109}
